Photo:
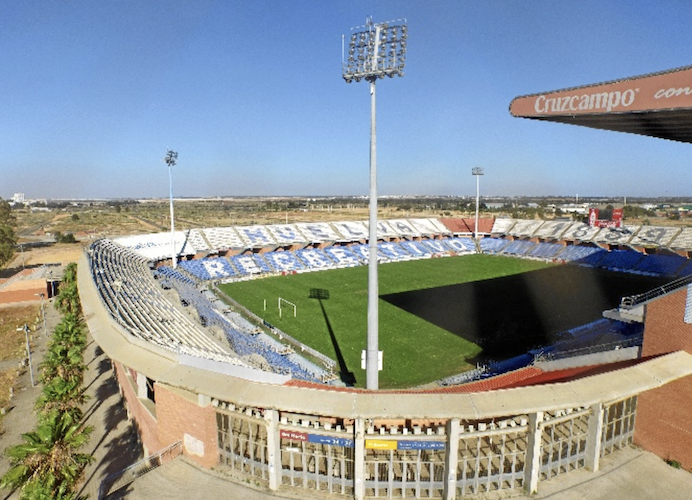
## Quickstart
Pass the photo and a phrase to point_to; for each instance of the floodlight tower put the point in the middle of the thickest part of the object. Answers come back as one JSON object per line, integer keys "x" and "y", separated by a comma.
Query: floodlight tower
{"x": 171, "y": 159}
{"x": 375, "y": 51}
{"x": 477, "y": 172}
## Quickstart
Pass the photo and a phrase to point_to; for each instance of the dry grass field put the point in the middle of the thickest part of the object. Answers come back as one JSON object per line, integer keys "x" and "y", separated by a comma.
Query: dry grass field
{"x": 12, "y": 347}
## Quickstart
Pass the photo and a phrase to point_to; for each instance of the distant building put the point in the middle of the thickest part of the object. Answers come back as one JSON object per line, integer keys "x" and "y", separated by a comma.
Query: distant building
{"x": 18, "y": 197}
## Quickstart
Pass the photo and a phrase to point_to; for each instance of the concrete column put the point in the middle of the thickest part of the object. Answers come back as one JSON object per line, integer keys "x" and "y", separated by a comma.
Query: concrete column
{"x": 594, "y": 436}
{"x": 273, "y": 448}
{"x": 532, "y": 467}
{"x": 141, "y": 386}
{"x": 451, "y": 459}
{"x": 359, "y": 460}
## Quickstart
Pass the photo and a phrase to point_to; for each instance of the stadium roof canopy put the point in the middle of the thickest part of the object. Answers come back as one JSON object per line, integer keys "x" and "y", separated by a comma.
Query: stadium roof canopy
{"x": 656, "y": 104}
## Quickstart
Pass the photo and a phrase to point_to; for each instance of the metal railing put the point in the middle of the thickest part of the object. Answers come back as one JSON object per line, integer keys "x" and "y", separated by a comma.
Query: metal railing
{"x": 635, "y": 300}
{"x": 126, "y": 476}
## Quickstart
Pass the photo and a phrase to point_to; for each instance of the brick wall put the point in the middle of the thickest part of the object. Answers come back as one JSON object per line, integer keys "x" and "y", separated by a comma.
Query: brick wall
{"x": 664, "y": 418}
{"x": 181, "y": 419}
{"x": 147, "y": 426}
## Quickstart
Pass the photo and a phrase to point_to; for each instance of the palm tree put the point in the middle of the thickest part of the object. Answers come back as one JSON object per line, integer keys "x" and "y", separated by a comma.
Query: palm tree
{"x": 47, "y": 464}
{"x": 65, "y": 396}
{"x": 63, "y": 361}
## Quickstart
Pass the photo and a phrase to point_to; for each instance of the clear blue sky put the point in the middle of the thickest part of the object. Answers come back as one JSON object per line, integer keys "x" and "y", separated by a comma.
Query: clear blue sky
{"x": 250, "y": 94}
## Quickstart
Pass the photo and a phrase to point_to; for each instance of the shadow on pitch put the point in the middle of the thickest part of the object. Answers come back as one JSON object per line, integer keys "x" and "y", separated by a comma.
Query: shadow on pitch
{"x": 347, "y": 376}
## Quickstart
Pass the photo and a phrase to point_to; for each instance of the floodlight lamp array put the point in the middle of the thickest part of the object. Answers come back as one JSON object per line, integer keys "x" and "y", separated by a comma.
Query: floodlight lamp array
{"x": 377, "y": 51}
{"x": 171, "y": 158}
{"x": 477, "y": 171}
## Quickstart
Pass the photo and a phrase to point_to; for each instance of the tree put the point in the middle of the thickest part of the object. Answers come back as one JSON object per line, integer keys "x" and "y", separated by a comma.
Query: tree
{"x": 47, "y": 464}
{"x": 7, "y": 237}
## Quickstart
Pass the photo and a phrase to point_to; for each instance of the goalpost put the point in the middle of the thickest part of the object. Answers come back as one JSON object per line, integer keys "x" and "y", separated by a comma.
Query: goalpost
{"x": 295, "y": 310}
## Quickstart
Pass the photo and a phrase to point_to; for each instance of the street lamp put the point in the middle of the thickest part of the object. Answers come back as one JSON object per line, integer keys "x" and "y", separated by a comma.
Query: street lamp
{"x": 375, "y": 51}
{"x": 477, "y": 172}
{"x": 28, "y": 351}
{"x": 43, "y": 312}
{"x": 171, "y": 159}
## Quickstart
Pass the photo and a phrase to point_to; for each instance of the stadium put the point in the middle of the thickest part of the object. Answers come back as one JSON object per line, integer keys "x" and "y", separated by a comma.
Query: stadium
{"x": 250, "y": 399}
{"x": 550, "y": 366}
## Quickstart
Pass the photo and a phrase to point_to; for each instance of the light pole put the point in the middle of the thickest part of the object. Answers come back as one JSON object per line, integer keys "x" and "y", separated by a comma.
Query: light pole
{"x": 171, "y": 159}
{"x": 375, "y": 51}
{"x": 28, "y": 350}
{"x": 477, "y": 172}
{"x": 43, "y": 312}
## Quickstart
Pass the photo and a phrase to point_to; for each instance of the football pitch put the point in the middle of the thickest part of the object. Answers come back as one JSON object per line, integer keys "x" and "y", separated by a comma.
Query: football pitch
{"x": 437, "y": 317}
{"x": 416, "y": 351}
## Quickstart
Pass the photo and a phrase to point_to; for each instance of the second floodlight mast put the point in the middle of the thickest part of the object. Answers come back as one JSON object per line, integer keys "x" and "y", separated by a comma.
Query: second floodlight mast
{"x": 374, "y": 51}
{"x": 171, "y": 159}
{"x": 477, "y": 172}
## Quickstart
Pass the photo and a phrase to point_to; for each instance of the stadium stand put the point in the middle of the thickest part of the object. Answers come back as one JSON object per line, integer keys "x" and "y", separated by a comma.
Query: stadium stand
{"x": 437, "y": 246}
{"x": 686, "y": 269}
{"x": 284, "y": 261}
{"x": 247, "y": 265}
{"x": 459, "y": 227}
{"x": 525, "y": 228}
{"x": 461, "y": 246}
{"x": 662, "y": 265}
{"x": 403, "y": 228}
{"x": 391, "y": 251}
{"x": 518, "y": 248}
{"x": 196, "y": 240}
{"x": 415, "y": 248}
{"x": 209, "y": 269}
{"x": 582, "y": 254}
{"x": 155, "y": 246}
{"x": 429, "y": 227}
{"x": 343, "y": 256}
{"x": 296, "y": 435}
{"x": 314, "y": 258}
{"x": 503, "y": 226}
{"x": 493, "y": 245}
{"x": 384, "y": 230}
{"x": 256, "y": 236}
{"x": 286, "y": 234}
{"x": 351, "y": 231}
{"x": 129, "y": 292}
{"x": 683, "y": 240}
{"x": 272, "y": 351}
{"x": 620, "y": 260}
{"x": 552, "y": 230}
{"x": 223, "y": 238}
{"x": 616, "y": 236}
{"x": 317, "y": 232}
{"x": 657, "y": 236}
{"x": 545, "y": 251}
{"x": 580, "y": 231}
{"x": 262, "y": 263}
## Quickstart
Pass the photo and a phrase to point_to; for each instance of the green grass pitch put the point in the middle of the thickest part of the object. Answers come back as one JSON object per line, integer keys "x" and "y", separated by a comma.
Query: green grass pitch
{"x": 416, "y": 352}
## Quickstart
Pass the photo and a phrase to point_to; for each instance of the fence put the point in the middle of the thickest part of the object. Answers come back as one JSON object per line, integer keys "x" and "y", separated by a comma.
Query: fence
{"x": 635, "y": 300}
{"x": 124, "y": 477}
